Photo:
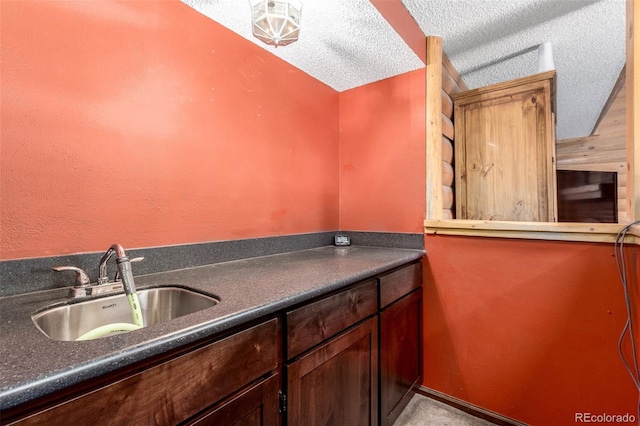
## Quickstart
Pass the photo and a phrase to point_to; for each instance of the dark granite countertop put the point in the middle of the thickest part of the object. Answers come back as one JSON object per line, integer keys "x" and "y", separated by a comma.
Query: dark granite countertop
{"x": 32, "y": 365}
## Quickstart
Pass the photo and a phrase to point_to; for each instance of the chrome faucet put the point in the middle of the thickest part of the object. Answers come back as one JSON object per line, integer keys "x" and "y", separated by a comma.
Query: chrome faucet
{"x": 83, "y": 287}
{"x": 102, "y": 268}
{"x": 123, "y": 263}
{"x": 120, "y": 258}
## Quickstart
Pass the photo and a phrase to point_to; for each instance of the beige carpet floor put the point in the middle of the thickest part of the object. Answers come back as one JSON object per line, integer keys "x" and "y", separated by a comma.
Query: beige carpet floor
{"x": 423, "y": 411}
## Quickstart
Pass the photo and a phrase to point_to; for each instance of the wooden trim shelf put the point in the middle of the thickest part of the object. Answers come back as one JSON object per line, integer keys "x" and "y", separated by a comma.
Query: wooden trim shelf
{"x": 593, "y": 232}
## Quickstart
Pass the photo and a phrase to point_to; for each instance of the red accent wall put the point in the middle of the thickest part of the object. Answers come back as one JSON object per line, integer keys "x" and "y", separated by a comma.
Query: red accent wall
{"x": 382, "y": 155}
{"x": 146, "y": 123}
{"x": 527, "y": 329}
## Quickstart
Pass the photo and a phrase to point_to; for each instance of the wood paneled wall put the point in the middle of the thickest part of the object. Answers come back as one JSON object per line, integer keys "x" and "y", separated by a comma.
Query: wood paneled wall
{"x": 442, "y": 81}
{"x": 605, "y": 148}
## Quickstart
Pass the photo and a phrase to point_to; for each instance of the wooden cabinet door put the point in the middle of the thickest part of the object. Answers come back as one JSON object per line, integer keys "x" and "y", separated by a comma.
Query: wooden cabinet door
{"x": 400, "y": 354}
{"x": 504, "y": 151}
{"x": 336, "y": 384}
{"x": 255, "y": 406}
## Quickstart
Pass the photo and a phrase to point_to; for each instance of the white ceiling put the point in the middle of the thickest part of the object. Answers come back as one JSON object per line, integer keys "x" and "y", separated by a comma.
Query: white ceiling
{"x": 347, "y": 43}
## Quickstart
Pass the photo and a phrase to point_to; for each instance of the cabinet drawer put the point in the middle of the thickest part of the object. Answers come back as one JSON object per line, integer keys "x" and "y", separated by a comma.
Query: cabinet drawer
{"x": 177, "y": 389}
{"x": 311, "y": 324}
{"x": 400, "y": 282}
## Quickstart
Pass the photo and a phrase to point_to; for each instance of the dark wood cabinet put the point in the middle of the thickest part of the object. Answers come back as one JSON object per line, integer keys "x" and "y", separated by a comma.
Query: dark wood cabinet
{"x": 367, "y": 374}
{"x": 332, "y": 353}
{"x": 255, "y": 406}
{"x": 400, "y": 355}
{"x": 400, "y": 340}
{"x": 169, "y": 392}
{"x": 348, "y": 358}
{"x": 337, "y": 382}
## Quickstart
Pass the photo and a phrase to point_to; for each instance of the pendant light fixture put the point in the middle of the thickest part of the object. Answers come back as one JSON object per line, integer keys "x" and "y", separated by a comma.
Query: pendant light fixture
{"x": 276, "y": 22}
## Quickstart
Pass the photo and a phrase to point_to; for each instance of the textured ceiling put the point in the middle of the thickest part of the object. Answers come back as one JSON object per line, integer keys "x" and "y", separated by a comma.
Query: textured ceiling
{"x": 342, "y": 42}
{"x": 347, "y": 43}
{"x": 588, "y": 38}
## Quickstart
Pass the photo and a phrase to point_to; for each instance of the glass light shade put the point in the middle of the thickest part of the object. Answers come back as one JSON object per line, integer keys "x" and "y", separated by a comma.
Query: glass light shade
{"x": 276, "y": 22}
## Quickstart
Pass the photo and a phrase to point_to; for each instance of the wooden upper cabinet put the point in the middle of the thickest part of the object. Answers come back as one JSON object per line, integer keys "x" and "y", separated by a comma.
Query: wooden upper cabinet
{"x": 505, "y": 149}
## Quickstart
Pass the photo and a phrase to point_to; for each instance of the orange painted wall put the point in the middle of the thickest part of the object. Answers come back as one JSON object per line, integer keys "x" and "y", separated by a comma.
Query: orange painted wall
{"x": 527, "y": 329}
{"x": 146, "y": 123}
{"x": 382, "y": 155}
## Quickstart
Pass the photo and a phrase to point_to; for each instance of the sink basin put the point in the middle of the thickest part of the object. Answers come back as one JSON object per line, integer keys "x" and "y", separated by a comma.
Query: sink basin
{"x": 159, "y": 304}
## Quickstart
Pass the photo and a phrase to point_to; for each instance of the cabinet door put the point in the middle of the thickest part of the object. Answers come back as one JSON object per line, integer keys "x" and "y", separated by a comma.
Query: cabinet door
{"x": 400, "y": 354}
{"x": 504, "y": 152}
{"x": 255, "y": 406}
{"x": 337, "y": 383}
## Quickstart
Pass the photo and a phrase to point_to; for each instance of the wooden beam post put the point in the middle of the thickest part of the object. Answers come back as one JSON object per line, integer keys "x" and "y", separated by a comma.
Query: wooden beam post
{"x": 434, "y": 127}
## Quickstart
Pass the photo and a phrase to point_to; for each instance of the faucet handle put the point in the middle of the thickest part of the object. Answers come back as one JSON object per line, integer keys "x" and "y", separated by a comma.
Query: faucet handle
{"x": 135, "y": 259}
{"x": 82, "y": 279}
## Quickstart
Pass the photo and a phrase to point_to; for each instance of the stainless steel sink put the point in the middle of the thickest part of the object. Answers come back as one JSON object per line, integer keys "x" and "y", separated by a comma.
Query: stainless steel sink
{"x": 159, "y": 304}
